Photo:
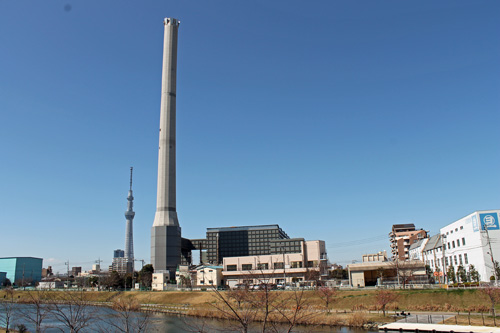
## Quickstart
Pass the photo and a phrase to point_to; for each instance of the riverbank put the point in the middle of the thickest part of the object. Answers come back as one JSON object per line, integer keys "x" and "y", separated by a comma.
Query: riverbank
{"x": 353, "y": 308}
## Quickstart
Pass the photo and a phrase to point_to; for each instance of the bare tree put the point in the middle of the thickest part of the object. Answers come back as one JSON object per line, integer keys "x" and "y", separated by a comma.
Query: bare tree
{"x": 73, "y": 311}
{"x": 38, "y": 309}
{"x": 493, "y": 294}
{"x": 405, "y": 270}
{"x": 242, "y": 314}
{"x": 327, "y": 295}
{"x": 292, "y": 310}
{"x": 7, "y": 306}
{"x": 385, "y": 297}
{"x": 126, "y": 319}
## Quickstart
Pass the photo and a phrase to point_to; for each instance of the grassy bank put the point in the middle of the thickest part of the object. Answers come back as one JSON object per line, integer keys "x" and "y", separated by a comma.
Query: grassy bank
{"x": 349, "y": 308}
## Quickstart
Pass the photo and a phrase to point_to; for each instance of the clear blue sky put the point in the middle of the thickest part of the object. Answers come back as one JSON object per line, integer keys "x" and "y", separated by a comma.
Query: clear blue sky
{"x": 333, "y": 119}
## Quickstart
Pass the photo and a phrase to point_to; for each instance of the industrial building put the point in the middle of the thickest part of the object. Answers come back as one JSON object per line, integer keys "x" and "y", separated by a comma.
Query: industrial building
{"x": 22, "y": 270}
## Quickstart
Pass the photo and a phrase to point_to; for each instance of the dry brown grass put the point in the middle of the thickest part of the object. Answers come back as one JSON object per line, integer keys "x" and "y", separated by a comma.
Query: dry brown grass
{"x": 475, "y": 320}
{"x": 416, "y": 300}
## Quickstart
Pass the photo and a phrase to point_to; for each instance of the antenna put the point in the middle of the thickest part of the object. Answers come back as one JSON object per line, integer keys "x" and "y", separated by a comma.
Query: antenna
{"x": 131, "y": 170}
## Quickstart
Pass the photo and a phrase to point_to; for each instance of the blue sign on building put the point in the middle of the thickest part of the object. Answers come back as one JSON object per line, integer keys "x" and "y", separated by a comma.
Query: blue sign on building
{"x": 490, "y": 221}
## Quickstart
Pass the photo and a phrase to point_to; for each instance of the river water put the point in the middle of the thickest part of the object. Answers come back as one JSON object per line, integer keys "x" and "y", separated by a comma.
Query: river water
{"x": 108, "y": 320}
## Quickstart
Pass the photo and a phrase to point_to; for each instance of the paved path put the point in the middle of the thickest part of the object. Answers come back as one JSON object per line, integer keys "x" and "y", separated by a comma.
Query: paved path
{"x": 424, "y": 318}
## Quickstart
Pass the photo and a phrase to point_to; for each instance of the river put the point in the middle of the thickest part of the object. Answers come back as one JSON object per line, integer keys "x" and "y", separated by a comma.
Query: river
{"x": 108, "y": 320}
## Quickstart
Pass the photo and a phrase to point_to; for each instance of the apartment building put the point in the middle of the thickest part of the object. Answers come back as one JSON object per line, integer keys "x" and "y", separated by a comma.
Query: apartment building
{"x": 402, "y": 237}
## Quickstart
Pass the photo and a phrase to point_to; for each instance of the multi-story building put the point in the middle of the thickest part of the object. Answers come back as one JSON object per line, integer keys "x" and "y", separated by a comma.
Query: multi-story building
{"x": 119, "y": 263}
{"x": 243, "y": 241}
{"x": 22, "y": 270}
{"x": 401, "y": 237}
{"x": 473, "y": 240}
{"x": 76, "y": 271}
{"x": 307, "y": 262}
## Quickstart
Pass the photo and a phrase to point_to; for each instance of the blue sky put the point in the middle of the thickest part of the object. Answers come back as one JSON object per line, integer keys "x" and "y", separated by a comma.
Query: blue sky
{"x": 333, "y": 119}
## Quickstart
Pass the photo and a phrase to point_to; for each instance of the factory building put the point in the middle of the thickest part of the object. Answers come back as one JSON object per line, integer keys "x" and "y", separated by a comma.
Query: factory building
{"x": 22, "y": 270}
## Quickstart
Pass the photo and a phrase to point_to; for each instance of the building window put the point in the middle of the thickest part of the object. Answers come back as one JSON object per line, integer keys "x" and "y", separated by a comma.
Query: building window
{"x": 455, "y": 257}
{"x": 446, "y": 260}
{"x": 449, "y": 247}
{"x": 458, "y": 242}
{"x": 263, "y": 266}
{"x": 463, "y": 241}
{"x": 231, "y": 268}
{"x": 296, "y": 264}
{"x": 278, "y": 265}
{"x": 460, "y": 259}
{"x": 453, "y": 244}
{"x": 461, "y": 227}
{"x": 466, "y": 259}
{"x": 246, "y": 267}
{"x": 211, "y": 281}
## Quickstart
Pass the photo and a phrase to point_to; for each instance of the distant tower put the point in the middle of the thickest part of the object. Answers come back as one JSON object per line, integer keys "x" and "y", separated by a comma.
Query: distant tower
{"x": 166, "y": 232}
{"x": 129, "y": 233}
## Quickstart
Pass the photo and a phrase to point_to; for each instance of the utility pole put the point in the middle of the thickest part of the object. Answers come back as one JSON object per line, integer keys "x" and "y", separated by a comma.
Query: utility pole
{"x": 24, "y": 287}
{"x": 67, "y": 274}
{"x": 98, "y": 262}
{"x": 444, "y": 259}
{"x": 491, "y": 255}
{"x": 397, "y": 270}
{"x": 284, "y": 272}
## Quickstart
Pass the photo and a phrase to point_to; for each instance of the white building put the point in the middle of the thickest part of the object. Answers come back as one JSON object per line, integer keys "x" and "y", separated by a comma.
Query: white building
{"x": 468, "y": 240}
{"x": 160, "y": 281}
{"x": 210, "y": 276}
{"x": 417, "y": 249}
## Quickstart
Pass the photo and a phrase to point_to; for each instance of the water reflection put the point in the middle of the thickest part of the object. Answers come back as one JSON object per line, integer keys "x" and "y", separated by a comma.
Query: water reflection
{"x": 108, "y": 320}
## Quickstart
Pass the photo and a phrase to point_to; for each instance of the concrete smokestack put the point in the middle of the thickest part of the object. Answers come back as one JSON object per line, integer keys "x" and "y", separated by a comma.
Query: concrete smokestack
{"x": 166, "y": 232}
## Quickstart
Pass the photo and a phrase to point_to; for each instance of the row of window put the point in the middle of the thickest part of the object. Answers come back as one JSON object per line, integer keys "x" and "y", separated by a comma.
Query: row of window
{"x": 452, "y": 245}
{"x": 456, "y": 229}
{"x": 276, "y": 265}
